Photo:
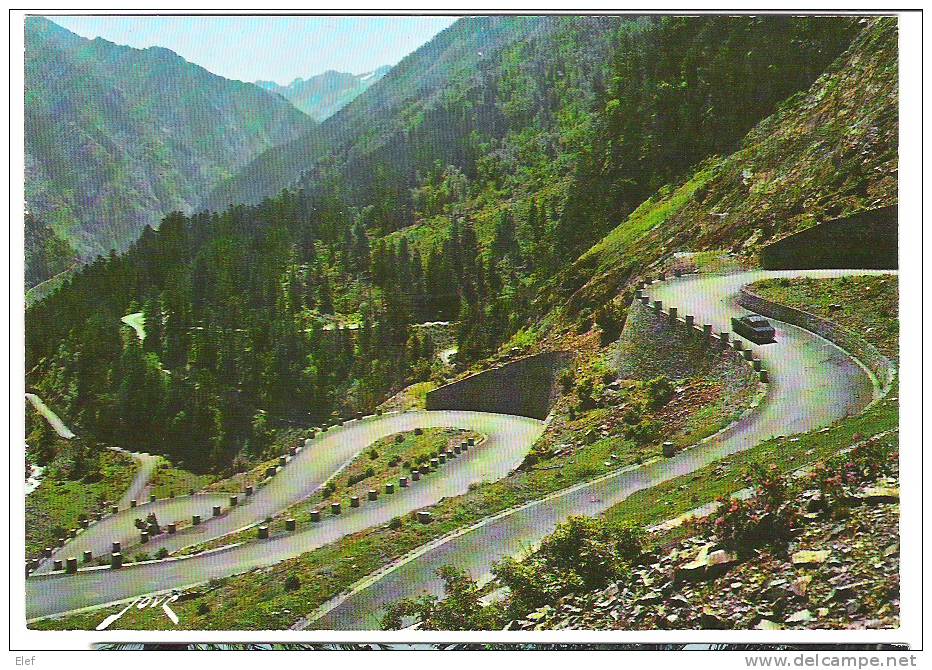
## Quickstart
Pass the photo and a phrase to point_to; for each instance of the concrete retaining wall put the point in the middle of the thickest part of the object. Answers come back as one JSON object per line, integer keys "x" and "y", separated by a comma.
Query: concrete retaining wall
{"x": 881, "y": 366}
{"x": 525, "y": 387}
{"x": 865, "y": 240}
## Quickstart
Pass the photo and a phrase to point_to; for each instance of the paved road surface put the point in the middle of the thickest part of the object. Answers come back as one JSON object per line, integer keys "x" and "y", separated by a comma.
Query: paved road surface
{"x": 54, "y": 421}
{"x": 138, "y": 489}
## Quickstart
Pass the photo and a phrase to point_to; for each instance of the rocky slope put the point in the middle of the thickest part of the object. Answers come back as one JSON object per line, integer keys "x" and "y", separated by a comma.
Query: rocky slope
{"x": 837, "y": 574}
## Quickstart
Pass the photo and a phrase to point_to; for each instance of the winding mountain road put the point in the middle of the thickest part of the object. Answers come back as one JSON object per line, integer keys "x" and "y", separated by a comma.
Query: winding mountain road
{"x": 508, "y": 440}
{"x": 812, "y": 383}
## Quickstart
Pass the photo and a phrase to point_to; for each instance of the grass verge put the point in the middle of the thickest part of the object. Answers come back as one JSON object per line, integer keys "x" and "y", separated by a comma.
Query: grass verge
{"x": 60, "y": 502}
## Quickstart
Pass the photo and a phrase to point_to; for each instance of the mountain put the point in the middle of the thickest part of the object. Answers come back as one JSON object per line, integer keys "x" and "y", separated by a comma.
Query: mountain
{"x": 47, "y": 254}
{"x": 825, "y": 152}
{"x": 424, "y": 80}
{"x": 117, "y": 137}
{"x": 325, "y": 94}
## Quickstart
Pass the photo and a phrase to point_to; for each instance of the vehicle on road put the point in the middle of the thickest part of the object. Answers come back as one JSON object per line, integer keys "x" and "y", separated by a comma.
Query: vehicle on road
{"x": 755, "y": 328}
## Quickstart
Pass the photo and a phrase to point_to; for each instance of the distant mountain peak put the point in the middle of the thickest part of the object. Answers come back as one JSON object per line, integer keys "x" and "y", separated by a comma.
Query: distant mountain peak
{"x": 323, "y": 95}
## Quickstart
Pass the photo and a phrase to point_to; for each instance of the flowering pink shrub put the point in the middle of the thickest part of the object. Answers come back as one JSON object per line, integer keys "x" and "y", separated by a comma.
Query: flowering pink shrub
{"x": 838, "y": 478}
{"x": 766, "y": 517}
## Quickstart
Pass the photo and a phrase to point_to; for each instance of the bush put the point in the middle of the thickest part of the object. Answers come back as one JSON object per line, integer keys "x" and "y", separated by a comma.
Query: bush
{"x": 659, "y": 392}
{"x": 584, "y": 391}
{"x": 838, "y": 478}
{"x": 582, "y": 554}
{"x": 395, "y": 523}
{"x": 360, "y": 476}
{"x": 292, "y": 583}
{"x": 632, "y": 416}
{"x": 203, "y": 609}
{"x": 767, "y": 517}
{"x": 643, "y": 432}
{"x": 460, "y": 609}
{"x": 162, "y": 553}
{"x": 373, "y": 454}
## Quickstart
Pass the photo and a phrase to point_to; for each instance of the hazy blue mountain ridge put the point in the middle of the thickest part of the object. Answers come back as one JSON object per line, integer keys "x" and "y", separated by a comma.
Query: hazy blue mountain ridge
{"x": 323, "y": 95}
{"x": 117, "y": 137}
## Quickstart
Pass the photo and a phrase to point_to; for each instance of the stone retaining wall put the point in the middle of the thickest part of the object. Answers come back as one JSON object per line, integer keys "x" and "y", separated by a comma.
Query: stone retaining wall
{"x": 525, "y": 387}
{"x": 882, "y": 367}
{"x": 658, "y": 340}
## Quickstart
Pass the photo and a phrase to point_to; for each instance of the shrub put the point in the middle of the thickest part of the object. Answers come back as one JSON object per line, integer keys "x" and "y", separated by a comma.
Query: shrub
{"x": 838, "y": 478}
{"x": 659, "y": 392}
{"x": 632, "y": 416}
{"x": 768, "y": 516}
{"x": 292, "y": 583}
{"x": 584, "y": 391}
{"x": 460, "y": 609}
{"x": 162, "y": 553}
{"x": 629, "y": 542}
{"x": 360, "y": 476}
{"x": 373, "y": 454}
{"x": 203, "y": 609}
{"x": 582, "y": 554}
{"x": 567, "y": 378}
{"x": 395, "y": 523}
{"x": 643, "y": 432}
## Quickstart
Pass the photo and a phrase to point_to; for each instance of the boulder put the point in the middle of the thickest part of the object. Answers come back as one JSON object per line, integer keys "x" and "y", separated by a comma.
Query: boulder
{"x": 876, "y": 495}
{"x": 802, "y": 616}
{"x": 800, "y": 585}
{"x": 811, "y": 557}
{"x": 706, "y": 565}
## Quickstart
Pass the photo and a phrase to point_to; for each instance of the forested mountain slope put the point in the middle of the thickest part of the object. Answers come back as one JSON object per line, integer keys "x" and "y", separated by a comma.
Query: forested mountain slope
{"x": 826, "y": 152}
{"x": 462, "y": 204}
{"x": 425, "y": 87}
{"x": 323, "y": 95}
{"x": 118, "y": 137}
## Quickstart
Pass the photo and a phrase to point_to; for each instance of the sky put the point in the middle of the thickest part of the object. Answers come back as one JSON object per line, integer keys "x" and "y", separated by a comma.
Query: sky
{"x": 273, "y": 48}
